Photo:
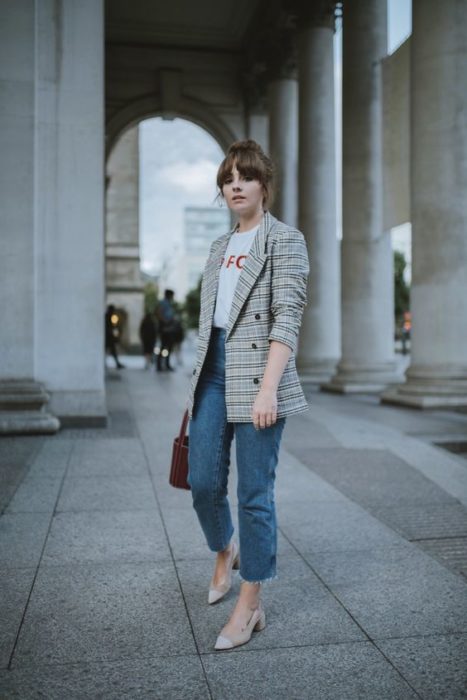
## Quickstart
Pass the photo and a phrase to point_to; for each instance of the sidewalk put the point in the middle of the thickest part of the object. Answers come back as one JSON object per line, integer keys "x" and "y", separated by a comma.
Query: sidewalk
{"x": 104, "y": 571}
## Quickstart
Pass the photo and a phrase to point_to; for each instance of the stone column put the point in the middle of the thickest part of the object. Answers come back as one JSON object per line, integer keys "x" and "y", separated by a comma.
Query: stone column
{"x": 22, "y": 398}
{"x": 69, "y": 208}
{"x": 437, "y": 375}
{"x": 367, "y": 362}
{"x": 258, "y": 129}
{"x": 283, "y": 136}
{"x": 319, "y": 348}
{"x": 124, "y": 284}
{"x": 17, "y": 27}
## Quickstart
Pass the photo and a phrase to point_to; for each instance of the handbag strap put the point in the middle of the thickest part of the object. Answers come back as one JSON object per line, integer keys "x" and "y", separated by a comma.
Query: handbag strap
{"x": 182, "y": 434}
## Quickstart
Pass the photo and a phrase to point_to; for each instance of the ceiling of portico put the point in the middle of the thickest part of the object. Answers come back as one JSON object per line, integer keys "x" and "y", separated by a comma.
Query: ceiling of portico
{"x": 164, "y": 55}
{"x": 212, "y": 24}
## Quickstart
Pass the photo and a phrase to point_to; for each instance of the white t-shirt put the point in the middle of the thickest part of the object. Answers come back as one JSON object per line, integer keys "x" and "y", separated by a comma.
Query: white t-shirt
{"x": 232, "y": 265}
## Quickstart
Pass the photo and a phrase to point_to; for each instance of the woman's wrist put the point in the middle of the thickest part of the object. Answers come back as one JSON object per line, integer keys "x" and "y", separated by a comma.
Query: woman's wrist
{"x": 269, "y": 387}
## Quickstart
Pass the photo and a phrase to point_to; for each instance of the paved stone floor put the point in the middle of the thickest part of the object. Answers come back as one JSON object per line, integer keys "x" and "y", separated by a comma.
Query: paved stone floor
{"x": 104, "y": 570}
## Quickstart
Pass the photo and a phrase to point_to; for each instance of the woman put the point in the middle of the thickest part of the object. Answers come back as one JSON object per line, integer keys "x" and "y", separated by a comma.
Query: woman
{"x": 245, "y": 382}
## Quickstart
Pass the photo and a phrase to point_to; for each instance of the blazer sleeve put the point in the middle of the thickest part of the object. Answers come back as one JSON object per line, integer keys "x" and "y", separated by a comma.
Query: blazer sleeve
{"x": 290, "y": 269}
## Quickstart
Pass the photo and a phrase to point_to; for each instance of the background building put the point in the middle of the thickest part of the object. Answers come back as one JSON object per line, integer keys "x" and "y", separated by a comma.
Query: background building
{"x": 202, "y": 226}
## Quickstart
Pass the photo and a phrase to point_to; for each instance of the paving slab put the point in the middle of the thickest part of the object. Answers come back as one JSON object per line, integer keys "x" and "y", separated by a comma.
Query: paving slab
{"x": 332, "y": 526}
{"x": 107, "y": 493}
{"x": 425, "y": 521}
{"x": 108, "y": 458}
{"x": 395, "y": 591}
{"x": 294, "y": 480}
{"x": 180, "y": 678}
{"x": 436, "y": 666}
{"x": 15, "y": 586}
{"x": 451, "y": 551}
{"x": 299, "y": 426}
{"x": 372, "y": 477}
{"x": 53, "y": 458}
{"x": 105, "y": 537}
{"x": 299, "y": 609}
{"x": 22, "y": 537}
{"x": 104, "y": 612}
{"x": 16, "y": 457}
{"x": 36, "y": 495}
{"x": 108, "y": 447}
{"x": 356, "y": 430}
{"x": 328, "y": 672}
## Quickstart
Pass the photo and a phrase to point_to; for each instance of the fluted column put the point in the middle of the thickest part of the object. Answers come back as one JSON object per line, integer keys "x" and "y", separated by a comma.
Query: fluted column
{"x": 124, "y": 283}
{"x": 319, "y": 348}
{"x": 367, "y": 362}
{"x": 437, "y": 375}
{"x": 23, "y": 400}
{"x": 283, "y": 145}
{"x": 69, "y": 217}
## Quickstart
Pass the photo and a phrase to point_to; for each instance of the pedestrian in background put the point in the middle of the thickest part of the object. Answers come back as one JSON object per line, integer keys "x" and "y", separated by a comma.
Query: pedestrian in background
{"x": 110, "y": 335}
{"x": 167, "y": 329}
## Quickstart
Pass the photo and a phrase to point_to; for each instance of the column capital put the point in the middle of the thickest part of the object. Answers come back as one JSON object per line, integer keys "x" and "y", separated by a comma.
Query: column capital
{"x": 271, "y": 48}
{"x": 320, "y": 13}
{"x": 281, "y": 58}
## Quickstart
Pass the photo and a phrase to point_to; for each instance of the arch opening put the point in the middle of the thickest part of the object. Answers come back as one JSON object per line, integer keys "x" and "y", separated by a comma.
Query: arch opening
{"x": 161, "y": 215}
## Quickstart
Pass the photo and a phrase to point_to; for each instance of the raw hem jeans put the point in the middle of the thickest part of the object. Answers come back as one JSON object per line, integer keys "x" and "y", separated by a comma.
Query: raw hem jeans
{"x": 209, "y": 460}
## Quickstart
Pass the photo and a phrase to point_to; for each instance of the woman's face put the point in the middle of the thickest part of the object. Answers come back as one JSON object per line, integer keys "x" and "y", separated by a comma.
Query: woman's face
{"x": 243, "y": 195}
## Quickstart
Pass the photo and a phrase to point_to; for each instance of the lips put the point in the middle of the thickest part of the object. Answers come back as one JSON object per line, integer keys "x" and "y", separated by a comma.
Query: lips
{"x": 238, "y": 198}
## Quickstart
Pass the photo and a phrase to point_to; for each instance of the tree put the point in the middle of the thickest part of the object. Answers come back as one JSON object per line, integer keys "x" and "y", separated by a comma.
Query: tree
{"x": 151, "y": 294}
{"x": 401, "y": 289}
{"x": 192, "y": 306}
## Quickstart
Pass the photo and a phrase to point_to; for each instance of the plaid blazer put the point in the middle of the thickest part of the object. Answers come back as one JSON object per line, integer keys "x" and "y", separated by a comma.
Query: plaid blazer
{"x": 268, "y": 304}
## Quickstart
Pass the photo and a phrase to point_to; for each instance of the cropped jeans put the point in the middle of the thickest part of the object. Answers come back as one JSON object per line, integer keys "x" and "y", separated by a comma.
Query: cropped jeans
{"x": 209, "y": 460}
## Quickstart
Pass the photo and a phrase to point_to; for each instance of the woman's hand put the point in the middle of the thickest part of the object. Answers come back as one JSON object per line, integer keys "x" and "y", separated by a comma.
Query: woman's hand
{"x": 264, "y": 412}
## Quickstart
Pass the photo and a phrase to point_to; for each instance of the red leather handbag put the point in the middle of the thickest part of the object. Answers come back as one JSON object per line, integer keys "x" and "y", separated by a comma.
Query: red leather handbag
{"x": 179, "y": 466}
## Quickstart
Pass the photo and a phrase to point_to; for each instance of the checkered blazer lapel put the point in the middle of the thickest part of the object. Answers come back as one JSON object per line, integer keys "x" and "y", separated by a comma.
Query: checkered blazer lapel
{"x": 250, "y": 272}
{"x": 211, "y": 281}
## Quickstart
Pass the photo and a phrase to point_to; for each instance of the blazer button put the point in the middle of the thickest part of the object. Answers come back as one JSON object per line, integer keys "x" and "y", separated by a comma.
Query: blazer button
{"x": 194, "y": 371}
{"x": 257, "y": 316}
{"x": 254, "y": 346}
{"x": 256, "y": 380}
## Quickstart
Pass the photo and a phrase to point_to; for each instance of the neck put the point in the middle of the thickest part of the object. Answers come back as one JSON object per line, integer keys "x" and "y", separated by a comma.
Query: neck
{"x": 249, "y": 221}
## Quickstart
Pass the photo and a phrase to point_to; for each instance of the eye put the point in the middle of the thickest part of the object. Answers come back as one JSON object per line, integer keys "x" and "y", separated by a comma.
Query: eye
{"x": 228, "y": 181}
{"x": 248, "y": 178}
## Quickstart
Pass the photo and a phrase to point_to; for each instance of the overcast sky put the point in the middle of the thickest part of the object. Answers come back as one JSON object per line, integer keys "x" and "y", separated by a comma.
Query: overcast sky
{"x": 178, "y": 165}
{"x": 179, "y": 161}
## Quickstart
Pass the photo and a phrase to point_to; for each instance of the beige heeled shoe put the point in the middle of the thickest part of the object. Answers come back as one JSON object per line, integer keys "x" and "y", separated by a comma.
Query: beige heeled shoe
{"x": 219, "y": 591}
{"x": 256, "y": 623}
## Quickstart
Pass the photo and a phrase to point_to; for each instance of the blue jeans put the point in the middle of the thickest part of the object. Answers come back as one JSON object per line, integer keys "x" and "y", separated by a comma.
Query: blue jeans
{"x": 209, "y": 460}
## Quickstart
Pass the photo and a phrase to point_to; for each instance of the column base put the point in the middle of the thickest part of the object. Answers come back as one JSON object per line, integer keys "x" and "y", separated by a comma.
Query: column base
{"x": 435, "y": 387}
{"x": 368, "y": 379}
{"x": 22, "y": 409}
{"x": 80, "y": 409}
{"x": 316, "y": 372}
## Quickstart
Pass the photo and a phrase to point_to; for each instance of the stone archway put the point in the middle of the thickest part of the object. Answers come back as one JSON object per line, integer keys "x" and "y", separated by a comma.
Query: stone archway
{"x": 124, "y": 279}
{"x": 192, "y": 110}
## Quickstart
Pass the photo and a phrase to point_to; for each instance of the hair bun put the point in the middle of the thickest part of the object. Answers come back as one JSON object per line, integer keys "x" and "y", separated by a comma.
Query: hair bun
{"x": 246, "y": 145}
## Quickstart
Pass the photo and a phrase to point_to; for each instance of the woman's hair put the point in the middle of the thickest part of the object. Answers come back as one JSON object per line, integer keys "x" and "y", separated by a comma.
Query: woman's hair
{"x": 250, "y": 161}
